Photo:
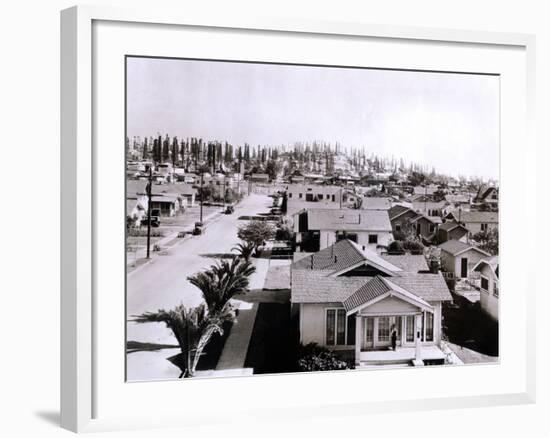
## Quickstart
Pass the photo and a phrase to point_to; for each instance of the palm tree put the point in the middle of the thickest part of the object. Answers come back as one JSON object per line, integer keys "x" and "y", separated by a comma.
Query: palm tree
{"x": 222, "y": 282}
{"x": 193, "y": 328}
{"x": 244, "y": 249}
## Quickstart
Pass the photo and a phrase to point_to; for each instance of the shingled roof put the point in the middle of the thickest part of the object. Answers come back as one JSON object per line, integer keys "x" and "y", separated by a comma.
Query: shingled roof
{"x": 455, "y": 247}
{"x": 313, "y": 279}
{"x": 342, "y": 255}
{"x": 488, "y": 217}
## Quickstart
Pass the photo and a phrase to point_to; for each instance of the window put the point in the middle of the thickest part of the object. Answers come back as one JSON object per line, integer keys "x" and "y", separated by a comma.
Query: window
{"x": 410, "y": 328}
{"x": 300, "y": 195}
{"x": 320, "y": 196}
{"x": 432, "y": 228}
{"x": 495, "y": 289}
{"x": 485, "y": 284}
{"x": 398, "y": 227}
{"x": 373, "y": 238}
{"x": 483, "y": 227}
{"x": 290, "y": 195}
{"x": 309, "y": 197}
{"x": 383, "y": 329}
{"x": 333, "y": 198}
{"x": 369, "y": 328}
{"x": 336, "y": 327}
{"x": 429, "y": 327}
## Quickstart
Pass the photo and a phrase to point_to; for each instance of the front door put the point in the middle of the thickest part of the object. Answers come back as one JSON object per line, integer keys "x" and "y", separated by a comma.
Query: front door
{"x": 464, "y": 267}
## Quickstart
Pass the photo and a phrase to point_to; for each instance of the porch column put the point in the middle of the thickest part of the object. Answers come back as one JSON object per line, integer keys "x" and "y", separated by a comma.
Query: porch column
{"x": 358, "y": 338}
{"x": 417, "y": 339}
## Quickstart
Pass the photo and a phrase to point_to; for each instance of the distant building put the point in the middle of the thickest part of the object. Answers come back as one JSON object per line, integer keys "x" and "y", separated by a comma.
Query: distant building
{"x": 487, "y": 195}
{"x": 317, "y": 229}
{"x": 424, "y": 226}
{"x": 475, "y": 221}
{"x": 259, "y": 177}
{"x": 452, "y": 230}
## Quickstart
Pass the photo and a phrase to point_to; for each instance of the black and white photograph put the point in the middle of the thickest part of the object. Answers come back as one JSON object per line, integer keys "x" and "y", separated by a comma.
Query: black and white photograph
{"x": 289, "y": 218}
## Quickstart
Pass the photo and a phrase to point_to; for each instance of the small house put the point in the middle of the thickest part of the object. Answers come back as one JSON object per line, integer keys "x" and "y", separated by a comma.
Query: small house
{"x": 459, "y": 258}
{"x": 489, "y": 285}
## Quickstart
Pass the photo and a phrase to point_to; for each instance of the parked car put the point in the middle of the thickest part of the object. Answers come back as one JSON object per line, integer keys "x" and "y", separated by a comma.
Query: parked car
{"x": 198, "y": 228}
{"x": 229, "y": 210}
{"x": 155, "y": 221}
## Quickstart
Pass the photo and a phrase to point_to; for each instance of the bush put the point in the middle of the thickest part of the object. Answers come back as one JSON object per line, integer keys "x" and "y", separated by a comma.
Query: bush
{"x": 312, "y": 357}
{"x": 396, "y": 247}
{"x": 142, "y": 232}
{"x": 156, "y": 247}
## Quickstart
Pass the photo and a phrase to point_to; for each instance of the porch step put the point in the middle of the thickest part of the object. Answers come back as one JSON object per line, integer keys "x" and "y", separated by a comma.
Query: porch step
{"x": 385, "y": 364}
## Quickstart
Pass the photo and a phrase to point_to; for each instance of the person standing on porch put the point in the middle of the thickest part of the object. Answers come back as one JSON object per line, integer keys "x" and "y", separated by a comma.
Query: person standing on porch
{"x": 393, "y": 338}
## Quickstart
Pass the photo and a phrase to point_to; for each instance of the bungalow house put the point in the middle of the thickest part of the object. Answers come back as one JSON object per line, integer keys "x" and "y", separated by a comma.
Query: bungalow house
{"x": 314, "y": 193}
{"x": 489, "y": 285}
{"x": 455, "y": 201}
{"x": 184, "y": 192}
{"x": 487, "y": 195}
{"x": 459, "y": 258}
{"x": 319, "y": 228}
{"x": 136, "y": 201}
{"x": 424, "y": 226}
{"x": 349, "y": 299}
{"x": 165, "y": 205}
{"x": 475, "y": 221}
{"x": 452, "y": 230}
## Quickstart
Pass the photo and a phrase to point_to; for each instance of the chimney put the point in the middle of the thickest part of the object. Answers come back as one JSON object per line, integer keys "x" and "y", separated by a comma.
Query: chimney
{"x": 434, "y": 266}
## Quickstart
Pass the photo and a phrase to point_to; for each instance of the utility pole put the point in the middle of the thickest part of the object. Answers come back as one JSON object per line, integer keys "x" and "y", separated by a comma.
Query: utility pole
{"x": 223, "y": 194}
{"x": 202, "y": 195}
{"x": 149, "y": 189}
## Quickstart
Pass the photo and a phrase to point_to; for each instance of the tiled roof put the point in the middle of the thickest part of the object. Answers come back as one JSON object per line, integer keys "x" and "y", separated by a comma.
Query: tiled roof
{"x": 369, "y": 291}
{"x": 349, "y": 220}
{"x": 488, "y": 217}
{"x": 336, "y": 257}
{"x": 455, "y": 247}
{"x": 314, "y": 287}
{"x": 430, "y": 287}
{"x": 342, "y": 255}
{"x": 408, "y": 262}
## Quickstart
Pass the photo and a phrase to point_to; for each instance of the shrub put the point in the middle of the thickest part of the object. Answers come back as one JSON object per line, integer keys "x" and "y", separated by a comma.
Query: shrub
{"x": 312, "y": 357}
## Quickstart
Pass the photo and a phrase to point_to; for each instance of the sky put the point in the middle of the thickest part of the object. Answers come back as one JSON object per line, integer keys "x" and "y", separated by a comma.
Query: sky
{"x": 449, "y": 121}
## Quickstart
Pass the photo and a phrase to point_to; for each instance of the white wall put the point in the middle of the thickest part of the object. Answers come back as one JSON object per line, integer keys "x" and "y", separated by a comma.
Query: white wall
{"x": 29, "y": 86}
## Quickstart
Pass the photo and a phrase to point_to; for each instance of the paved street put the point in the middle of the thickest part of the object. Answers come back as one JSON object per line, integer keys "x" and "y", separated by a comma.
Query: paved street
{"x": 162, "y": 283}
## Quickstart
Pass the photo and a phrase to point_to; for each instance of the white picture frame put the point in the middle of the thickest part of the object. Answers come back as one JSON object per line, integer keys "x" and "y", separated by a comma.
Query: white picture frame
{"x": 79, "y": 366}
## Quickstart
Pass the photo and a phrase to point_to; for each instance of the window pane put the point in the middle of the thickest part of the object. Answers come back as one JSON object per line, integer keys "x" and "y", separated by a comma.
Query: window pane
{"x": 384, "y": 329}
{"x": 410, "y": 328}
{"x": 429, "y": 327}
{"x": 341, "y": 327}
{"x": 331, "y": 315}
{"x": 351, "y": 330}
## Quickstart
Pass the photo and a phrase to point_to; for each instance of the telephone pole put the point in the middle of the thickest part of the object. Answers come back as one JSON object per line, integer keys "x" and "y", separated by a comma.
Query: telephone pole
{"x": 202, "y": 196}
{"x": 149, "y": 187}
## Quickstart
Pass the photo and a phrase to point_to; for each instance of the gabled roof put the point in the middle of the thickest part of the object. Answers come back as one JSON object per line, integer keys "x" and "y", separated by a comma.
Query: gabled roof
{"x": 451, "y": 225}
{"x": 342, "y": 256}
{"x": 348, "y": 220}
{"x": 491, "y": 262}
{"x": 314, "y": 287}
{"x": 456, "y": 247}
{"x": 398, "y": 210}
{"x": 379, "y": 288}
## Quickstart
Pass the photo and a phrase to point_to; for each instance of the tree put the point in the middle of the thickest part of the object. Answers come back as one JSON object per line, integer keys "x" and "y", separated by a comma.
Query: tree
{"x": 244, "y": 249}
{"x": 256, "y": 232}
{"x": 272, "y": 168}
{"x": 193, "y": 328}
{"x": 487, "y": 240}
{"x": 222, "y": 282}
